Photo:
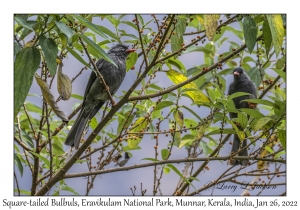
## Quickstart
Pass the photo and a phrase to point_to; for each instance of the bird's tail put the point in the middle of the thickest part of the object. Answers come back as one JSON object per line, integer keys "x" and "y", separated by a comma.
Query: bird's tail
{"x": 236, "y": 147}
{"x": 74, "y": 135}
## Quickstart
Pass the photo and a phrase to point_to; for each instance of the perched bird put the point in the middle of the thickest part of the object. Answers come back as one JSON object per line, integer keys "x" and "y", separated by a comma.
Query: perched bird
{"x": 241, "y": 83}
{"x": 95, "y": 94}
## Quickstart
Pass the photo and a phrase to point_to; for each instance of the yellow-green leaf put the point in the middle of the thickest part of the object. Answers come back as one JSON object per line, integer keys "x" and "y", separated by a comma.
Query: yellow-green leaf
{"x": 49, "y": 98}
{"x": 131, "y": 60}
{"x": 64, "y": 85}
{"x": 178, "y": 116}
{"x": 277, "y": 31}
{"x": 197, "y": 96}
{"x": 165, "y": 154}
{"x": 139, "y": 125}
{"x": 210, "y": 24}
{"x": 261, "y": 122}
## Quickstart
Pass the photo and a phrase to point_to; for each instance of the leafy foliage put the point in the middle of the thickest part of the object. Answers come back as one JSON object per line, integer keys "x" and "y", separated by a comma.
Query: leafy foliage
{"x": 175, "y": 105}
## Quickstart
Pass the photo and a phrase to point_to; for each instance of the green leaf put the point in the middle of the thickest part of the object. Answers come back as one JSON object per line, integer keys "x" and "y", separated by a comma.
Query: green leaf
{"x": 281, "y": 73}
{"x": 267, "y": 35}
{"x": 250, "y": 32}
{"x": 77, "y": 96}
{"x": 224, "y": 131}
{"x": 237, "y": 94}
{"x": 177, "y": 38}
{"x": 130, "y": 24}
{"x": 191, "y": 111}
{"x": 151, "y": 159}
{"x": 253, "y": 113}
{"x": 26, "y": 63}
{"x": 282, "y": 138}
{"x": 23, "y": 192}
{"x": 263, "y": 101}
{"x": 206, "y": 149}
{"x": 260, "y": 123}
{"x": 163, "y": 104}
{"x": 131, "y": 60}
{"x": 58, "y": 150}
{"x": 90, "y": 25}
{"x": 22, "y": 20}
{"x": 98, "y": 49}
{"x": 93, "y": 123}
{"x": 254, "y": 75}
{"x": 64, "y": 29}
{"x": 166, "y": 170}
{"x": 177, "y": 63}
{"x": 108, "y": 32}
{"x": 176, "y": 170}
{"x": 243, "y": 120}
{"x": 277, "y": 31}
{"x": 259, "y": 18}
{"x": 33, "y": 108}
{"x": 66, "y": 188}
{"x": 78, "y": 57}
{"x": 50, "y": 51}
{"x": 197, "y": 49}
{"x": 184, "y": 142}
{"x": 165, "y": 154}
{"x": 45, "y": 160}
{"x": 17, "y": 48}
{"x": 280, "y": 63}
{"x": 238, "y": 33}
{"x": 19, "y": 164}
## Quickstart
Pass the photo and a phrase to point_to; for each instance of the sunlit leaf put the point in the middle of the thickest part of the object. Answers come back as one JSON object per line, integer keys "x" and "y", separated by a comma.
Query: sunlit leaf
{"x": 138, "y": 126}
{"x": 131, "y": 60}
{"x": 277, "y": 31}
{"x": 261, "y": 122}
{"x": 178, "y": 116}
{"x": 165, "y": 154}
{"x": 210, "y": 24}
{"x": 197, "y": 96}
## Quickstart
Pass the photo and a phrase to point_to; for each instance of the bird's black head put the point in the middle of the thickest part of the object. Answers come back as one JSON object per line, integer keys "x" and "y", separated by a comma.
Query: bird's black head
{"x": 238, "y": 71}
{"x": 120, "y": 49}
{"x": 239, "y": 74}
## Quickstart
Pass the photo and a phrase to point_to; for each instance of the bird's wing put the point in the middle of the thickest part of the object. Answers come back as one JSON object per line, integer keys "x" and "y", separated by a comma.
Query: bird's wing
{"x": 230, "y": 89}
{"x": 92, "y": 78}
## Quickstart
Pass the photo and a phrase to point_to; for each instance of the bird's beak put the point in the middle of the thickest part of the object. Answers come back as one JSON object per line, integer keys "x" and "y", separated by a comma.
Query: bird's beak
{"x": 236, "y": 73}
{"x": 130, "y": 50}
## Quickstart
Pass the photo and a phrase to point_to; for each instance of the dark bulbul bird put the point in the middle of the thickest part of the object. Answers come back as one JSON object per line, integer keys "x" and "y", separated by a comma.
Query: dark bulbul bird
{"x": 241, "y": 83}
{"x": 95, "y": 94}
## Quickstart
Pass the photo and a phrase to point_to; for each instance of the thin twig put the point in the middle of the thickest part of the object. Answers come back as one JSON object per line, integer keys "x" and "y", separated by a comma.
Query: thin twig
{"x": 19, "y": 193}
